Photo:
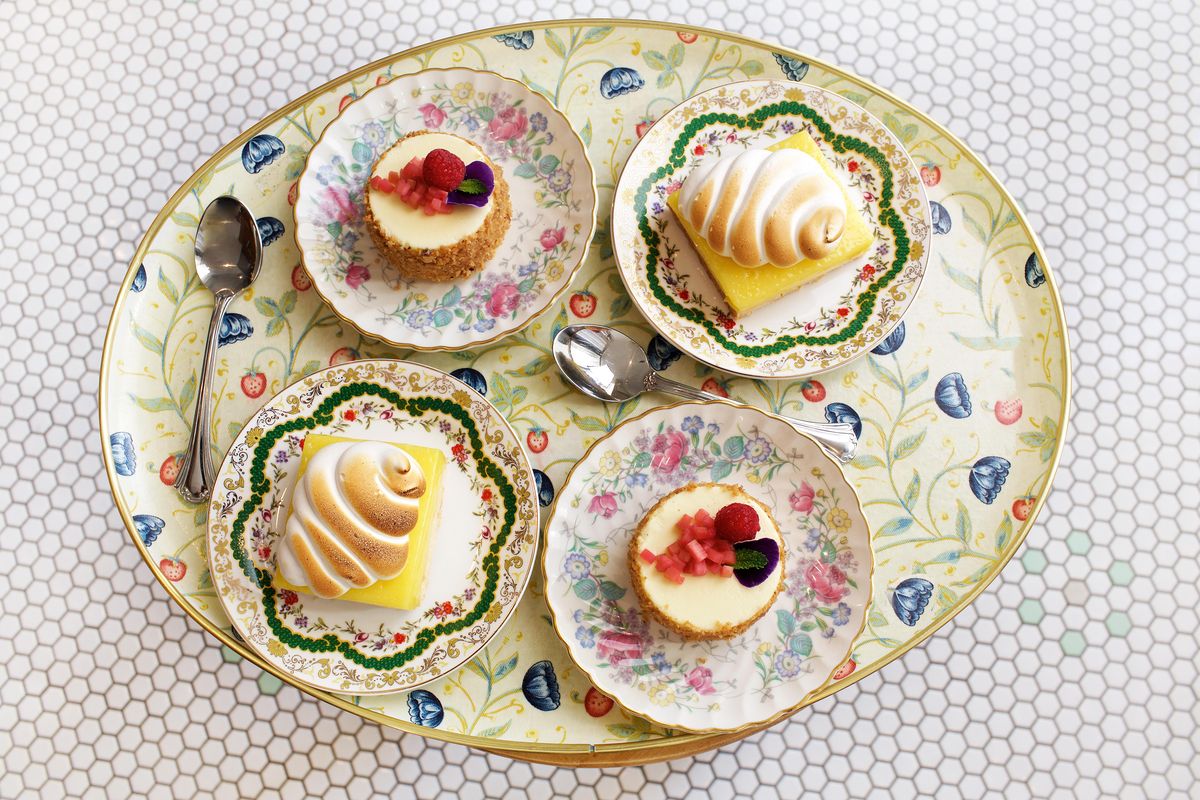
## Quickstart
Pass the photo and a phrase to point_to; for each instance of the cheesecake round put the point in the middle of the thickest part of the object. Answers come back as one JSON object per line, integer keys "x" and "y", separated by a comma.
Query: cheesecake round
{"x": 717, "y": 604}
{"x": 449, "y": 244}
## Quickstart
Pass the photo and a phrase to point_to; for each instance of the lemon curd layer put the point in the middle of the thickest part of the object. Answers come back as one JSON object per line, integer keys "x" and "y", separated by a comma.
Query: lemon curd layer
{"x": 706, "y": 602}
{"x": 747, "y": 288}
{"x": 410, "y": 226}
{"x": 404, "y": 590}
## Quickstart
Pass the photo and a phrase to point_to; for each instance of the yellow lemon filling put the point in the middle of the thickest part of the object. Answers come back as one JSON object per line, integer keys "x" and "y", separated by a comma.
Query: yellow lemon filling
{"x": 747, "y": 288}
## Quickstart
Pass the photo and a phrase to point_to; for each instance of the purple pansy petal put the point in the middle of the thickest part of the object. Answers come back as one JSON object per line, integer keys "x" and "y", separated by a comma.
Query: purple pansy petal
{"x": 480, "y": 171}
{"x": 753, "y": 577}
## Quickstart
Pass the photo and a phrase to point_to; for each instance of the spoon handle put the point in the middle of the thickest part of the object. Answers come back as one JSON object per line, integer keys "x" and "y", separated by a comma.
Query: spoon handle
{"x": 837, "y": 439}
{"x": 196, "y": 475}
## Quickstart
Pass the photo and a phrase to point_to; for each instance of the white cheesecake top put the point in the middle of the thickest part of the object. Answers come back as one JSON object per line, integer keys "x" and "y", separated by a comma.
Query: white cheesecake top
{"x": 706, "y": 602}
{"x": 412, "y": 226}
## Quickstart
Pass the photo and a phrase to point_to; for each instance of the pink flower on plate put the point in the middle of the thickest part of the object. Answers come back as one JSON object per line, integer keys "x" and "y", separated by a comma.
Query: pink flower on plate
{"x": 603, "y": 504}
{"x": 667, "y": 450}
{"x": 618, "y": 646}
{"x": 434, "y": 116}
{"x": 509, "y": 123}
{"x": 802, "y": 498}
{"x": 357, "y": 275}
{"x": 552, "y": 238}
{"x": 504, "y": 299}
{"x": 700, "y": 679}
{"x": 337, "y": 205}
{"x": 827, "y": 581}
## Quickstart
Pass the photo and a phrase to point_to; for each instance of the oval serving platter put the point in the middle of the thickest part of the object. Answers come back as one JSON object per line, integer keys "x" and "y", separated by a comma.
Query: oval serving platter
{"x": 988, "y": 316}
{"x": 480, "y": 554}
{"x": 705, "y": 686}
{"x": 552, "y": 190}
{"x": 826, "y": 322}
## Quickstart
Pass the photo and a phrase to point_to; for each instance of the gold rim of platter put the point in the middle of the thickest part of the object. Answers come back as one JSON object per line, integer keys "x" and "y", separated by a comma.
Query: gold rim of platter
{"x": 617, "y": 753}
{"x": 819, "y": 453}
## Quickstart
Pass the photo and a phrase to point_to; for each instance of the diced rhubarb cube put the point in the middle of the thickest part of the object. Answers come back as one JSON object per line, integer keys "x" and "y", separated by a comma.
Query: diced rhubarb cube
{"x": 704, "y": 518}
{"x": 684, "y": 523}
{"x": 663, "y": 562}
{"x": 675, "y": 548}
{"x": 674, "y": 575}
{"x": 394, "y": 176}
{"x": 647, "y": 556}
{"x": 700, "y": 568}
{"x": 415, "y": 168}
{"x": 704, "y": 534}
{"x": 726, "y": 571}
{"x": 687, "y": 536}
{"x": 697, "y": 550}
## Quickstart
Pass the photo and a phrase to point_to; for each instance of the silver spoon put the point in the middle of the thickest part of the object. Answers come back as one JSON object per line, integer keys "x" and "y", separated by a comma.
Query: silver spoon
{"x": 606, "y": 364}
{"x": 228, "y": 257}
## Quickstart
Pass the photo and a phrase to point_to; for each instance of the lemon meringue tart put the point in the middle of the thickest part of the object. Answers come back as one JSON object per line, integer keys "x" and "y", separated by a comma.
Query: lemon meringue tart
{"x": 363, "y": 514}
{"x": 707, "y": 561}
{"x": 764, "y": 222}
{"x": 437, "y": 207}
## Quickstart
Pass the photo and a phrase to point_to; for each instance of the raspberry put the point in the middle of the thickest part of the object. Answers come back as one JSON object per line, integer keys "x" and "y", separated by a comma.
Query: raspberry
{"x": 737, "y": 522}
{"x": 443, "y": 169}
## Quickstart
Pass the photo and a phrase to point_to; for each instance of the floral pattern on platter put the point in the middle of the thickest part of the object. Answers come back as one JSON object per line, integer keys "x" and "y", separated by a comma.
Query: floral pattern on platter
{"x": 479, "y": 561}
{"x": 550, "y": 184}
{"x": 981, "y": 318}
{"x": 788, "y": 653}
{"x": 827, "y": 321}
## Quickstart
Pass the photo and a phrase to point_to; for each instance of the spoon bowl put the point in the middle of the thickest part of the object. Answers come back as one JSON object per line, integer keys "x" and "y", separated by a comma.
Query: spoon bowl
{"x": 607, "y": 365}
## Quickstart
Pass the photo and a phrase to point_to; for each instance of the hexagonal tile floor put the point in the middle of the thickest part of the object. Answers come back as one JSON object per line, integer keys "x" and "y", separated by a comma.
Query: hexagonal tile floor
{"x": 1074, "y": 673}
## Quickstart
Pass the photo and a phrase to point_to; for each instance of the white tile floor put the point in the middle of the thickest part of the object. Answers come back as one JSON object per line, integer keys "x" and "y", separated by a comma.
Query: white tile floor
{"x": 1088, "y": 111}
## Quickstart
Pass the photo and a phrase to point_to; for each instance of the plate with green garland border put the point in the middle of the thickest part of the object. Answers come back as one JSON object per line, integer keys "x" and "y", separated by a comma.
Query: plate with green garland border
{"x": 826, "y": 322}
{"x": 481, "y": 555}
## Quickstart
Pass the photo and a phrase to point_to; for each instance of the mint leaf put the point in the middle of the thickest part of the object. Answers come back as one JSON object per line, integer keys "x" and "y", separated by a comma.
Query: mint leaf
{"x": 745, "y": 558}
{"x": 472, "y": 186}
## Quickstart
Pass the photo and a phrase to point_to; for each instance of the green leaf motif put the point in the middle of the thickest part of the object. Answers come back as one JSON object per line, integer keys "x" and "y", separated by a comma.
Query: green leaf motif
{"x": 828, "y": 553}
{"x": 916, "y": 380}
{"x": 504, "y": 394}
{"x": 866, "y": 462}
{"x": 986, "y": 343}
{"x": 752, "y": 67}
{"x": 585, "y": 590}
{"x": 642, "y": 460}
{"x": 962, "y": 523}
{"x": 525, "y": 285}
{"x": 949, "y": 557}
{"x": 478, "y": 669}
{"x": 548, "y": 164}
{"x": 883, "y": 374}
{"x": 585, "y": 133}
{"x": 526, "y": 170}
{"x": 785, "y": 622}
{"x": 895, "y": 526}
{"x": 721, "y": 470}
{"x": 735, "y": 446}
{"x": 361, "y": 152}
{"x": 975, "y": 228}
{"x": 913, "y": 491}
{"x": 442, "y": 317}
{"x": 167, "y": 287}
{"x": 266, "y": 306}
{"x": 451, "y": 297}
{"x": 1004, "y": 533}
{"x": 485, "y": 113}
{"x": 184, "y": 220}
{"x": 155, "y": 404}
{"x": 611, "y": 591}
{"x": 962, "y": 279}
{"x": 946, "y": 598}
{"x": 287, "y": 303}
{"x": 188, "y": 392}
{"x": 620, "y": 305}
{"x": 905, "y": 132}
{"x": 597, "y": 34}
{"x": 655, "y": 60}
{"x": 495, "y": 731}
{"x": 274, "y": 326}
{"x": 675, "y": 54}
{"x": 588, "y": 423}
{"x": 665, "y": 79}
{"x": 555, "y": 44}
{"x": 876, "y": 619}
{"x": 535, "y": 367}
{"x": 310, "y": 367}
{"x": 745, "y": 558}
{"x": 505, "y": 668}
{"x": 148, "y": 340}
{"x": 907, "y": 446}
{"x": 205, "y": 579}
{"x": 801, "y": 645}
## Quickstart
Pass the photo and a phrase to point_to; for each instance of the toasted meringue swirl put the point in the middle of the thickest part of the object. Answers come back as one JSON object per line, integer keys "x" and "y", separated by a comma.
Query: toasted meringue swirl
{"x": 351, "y": 515}
{"x": 765, "y": 207}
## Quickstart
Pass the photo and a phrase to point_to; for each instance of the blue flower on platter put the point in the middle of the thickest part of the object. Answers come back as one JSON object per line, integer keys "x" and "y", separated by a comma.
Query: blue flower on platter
{"x": 519, "y": 40}
{"x": 620, "y": 80}
{"x": 577, "y": 566}
{"x": 637, "y": 479}
{"x": 585, "y": 636}
{"x": 661, "y": 353}
{"x": 538, "y": 121}
{"x": 373, "y": 135}
{"x": 260, "y": 151}
{"x": 139, "y": 280}
{"x": 485, "y": 325}
{"x": 940, "y": 217}
{"x": 420, "y": 319}
{"x": 659, "y": 660}
{"x": 472, "y": 378}
{"x": 988, "y": 477}
{"x": 234, "y": 328}
{"x": 758, "y": 450}
{"x": 148, "y": 527}
{"x": 793, "y": 68}
{"x": 692, "y": 424}
{"x": 892, "y": 343}
{"x": 909, "y": 599}
{"x": 841, "y": 614}
{"x": 788, "y": 663}
{"x": 951, "y": 396}
{"x": 545, "y": 489}
{"x": 540, "y": 687}
{"x": 813, "y": 541}
{"x": 1034, "y": 275}
{"x": 425, "y": 709}
{"x": 269, "y": 230}
{"x": 840, "y": 412}
{"x": 123, "y": 456}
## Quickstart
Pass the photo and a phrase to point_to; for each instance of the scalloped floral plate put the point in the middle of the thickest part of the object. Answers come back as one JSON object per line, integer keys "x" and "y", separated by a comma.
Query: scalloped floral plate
{"x": 551, "y": 185}
{"x": 480, "y": 559}
{"x": 791, "y": 651}
{"x": 826, "y": 322}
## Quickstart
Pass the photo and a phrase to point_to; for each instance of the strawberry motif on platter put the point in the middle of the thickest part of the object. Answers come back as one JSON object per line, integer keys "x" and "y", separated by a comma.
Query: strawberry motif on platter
{"x": 583, "y": 304}
{"x": 254, "y": 384}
